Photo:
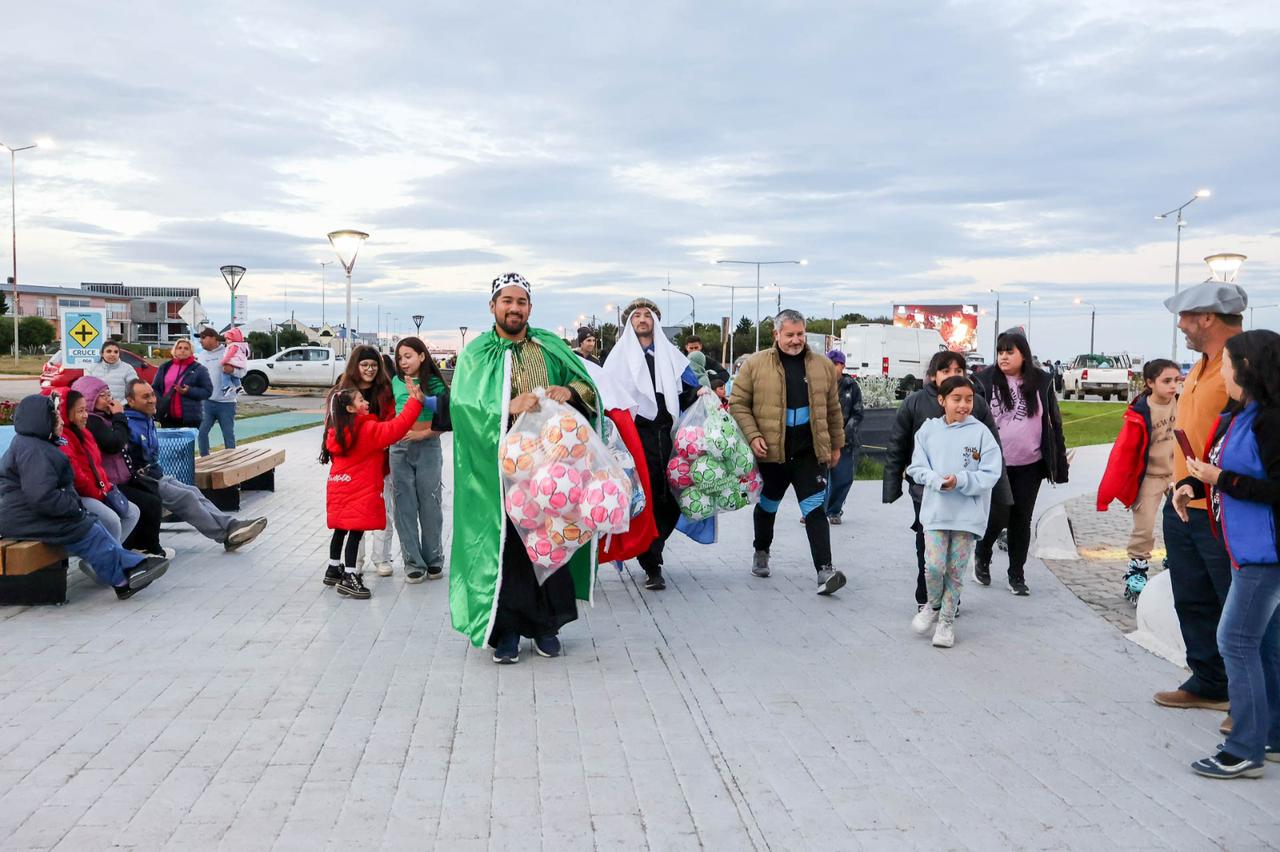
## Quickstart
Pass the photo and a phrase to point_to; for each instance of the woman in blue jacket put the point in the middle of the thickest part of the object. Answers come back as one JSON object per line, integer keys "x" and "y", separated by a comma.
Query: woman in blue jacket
{"x": 1241, "y": 475}
{"x": 182, "y": 385}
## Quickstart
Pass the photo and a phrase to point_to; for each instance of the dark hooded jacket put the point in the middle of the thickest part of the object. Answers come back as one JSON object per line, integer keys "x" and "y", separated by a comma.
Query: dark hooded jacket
{"x": 918, "y": 407}
{"x": 38, "y": 499}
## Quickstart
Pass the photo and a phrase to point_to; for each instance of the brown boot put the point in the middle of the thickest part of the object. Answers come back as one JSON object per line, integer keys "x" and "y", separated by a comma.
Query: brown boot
{"x": 1225, "y": 727}
{"x": 1183, "y": 700}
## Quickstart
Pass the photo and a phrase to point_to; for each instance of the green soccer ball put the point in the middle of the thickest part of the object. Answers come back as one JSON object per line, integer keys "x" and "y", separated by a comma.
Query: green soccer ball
{"x": 740, "y": 460}
{"x": 731, "y": 499}
{"x": 696, "y": 505}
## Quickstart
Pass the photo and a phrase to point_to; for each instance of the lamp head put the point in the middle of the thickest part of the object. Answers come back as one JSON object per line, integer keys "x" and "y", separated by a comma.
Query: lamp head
{"x": 1225, "y": 265}
{"x": 1203, "y": 193}
{"x": 232, "y": 275}
{"x": 347, "y": 244}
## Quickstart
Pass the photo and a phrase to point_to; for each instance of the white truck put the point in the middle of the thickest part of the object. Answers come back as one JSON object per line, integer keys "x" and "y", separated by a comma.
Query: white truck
{"x": 876, "y": 349}
{"x": 297, "y": 366}
{"x": 1107, "y": 376}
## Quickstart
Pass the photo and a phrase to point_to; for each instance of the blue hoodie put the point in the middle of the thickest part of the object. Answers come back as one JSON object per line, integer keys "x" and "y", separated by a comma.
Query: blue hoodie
{"x": 968, "y": 450}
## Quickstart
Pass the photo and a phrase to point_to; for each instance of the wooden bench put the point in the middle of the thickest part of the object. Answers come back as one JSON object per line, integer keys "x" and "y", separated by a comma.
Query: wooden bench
{"x": 32, "y": 573}
{"x": 222, "y": 475}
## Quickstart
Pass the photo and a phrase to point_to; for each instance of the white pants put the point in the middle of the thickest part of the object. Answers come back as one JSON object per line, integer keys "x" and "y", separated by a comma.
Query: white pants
{"x": 380, "y": 541}
{"x": 118, "y": 527}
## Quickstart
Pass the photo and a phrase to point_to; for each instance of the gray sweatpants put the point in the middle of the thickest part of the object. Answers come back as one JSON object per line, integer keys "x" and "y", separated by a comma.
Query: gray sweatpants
{"x": 188, "y": 504}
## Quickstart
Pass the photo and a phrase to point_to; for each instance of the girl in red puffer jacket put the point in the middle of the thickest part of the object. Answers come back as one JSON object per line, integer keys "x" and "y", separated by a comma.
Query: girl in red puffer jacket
{"x": 355, "y": 445}
{"x": 98, "y": 496}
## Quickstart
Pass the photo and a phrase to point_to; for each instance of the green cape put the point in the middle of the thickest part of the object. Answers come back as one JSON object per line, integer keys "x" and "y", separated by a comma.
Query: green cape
{"x": 478, "y": 403}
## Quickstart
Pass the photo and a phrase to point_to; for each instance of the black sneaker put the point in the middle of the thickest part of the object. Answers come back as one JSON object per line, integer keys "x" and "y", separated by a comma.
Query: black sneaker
{"x": 332, "y": 574}
{"x": 654, "y": 582}
{"x": 506, "y": 651}
{"x": 547, "y": 646}
{"x": 435, "y": 572}
{"x": 982, "y": 572}
{"x": 142, "y": 575}
{"x": 414, "y": 574}
{"x": 1019, "y": 587}
{"x": 352, "y": 586}
{"x": 241, "y": 533}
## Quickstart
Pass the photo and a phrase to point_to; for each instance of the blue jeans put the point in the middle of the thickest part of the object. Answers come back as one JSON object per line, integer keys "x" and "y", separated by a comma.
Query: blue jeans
{"x": 1200, "y": 572}
{"x": 1249, "y": 636}
{"x": 222, "y": 413}
{"x": 105, "y": 556}
{"x": 416, "y": 469}
{"x": 839, "y": 481}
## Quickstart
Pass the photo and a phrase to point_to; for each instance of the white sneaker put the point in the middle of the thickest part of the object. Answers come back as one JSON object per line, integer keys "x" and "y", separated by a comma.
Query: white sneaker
{"x": 945, "y": 635}
{"x": 924, "y": 620}
{"x": 383, "y": 569}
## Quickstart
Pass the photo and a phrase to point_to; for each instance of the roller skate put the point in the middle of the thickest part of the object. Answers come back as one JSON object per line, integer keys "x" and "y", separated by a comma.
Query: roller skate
{"x": 1135, "y": 580}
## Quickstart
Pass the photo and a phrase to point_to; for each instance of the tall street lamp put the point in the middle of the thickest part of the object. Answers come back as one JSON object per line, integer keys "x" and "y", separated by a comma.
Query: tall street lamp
{"x": 323, "y": 264}
{"x": 1177, "y": 257}
{"x": 463, "y": 330}
{"x": 1093, "y": 316}
{"x": 1253, "y": 307}
{"x": 757, "y": 264}
{"x": 347, "y": 244}
{"x": 1028, "y": 302}
{"x": 996, "y": 335}
{"x": 417, "y": 323}
{"x": 833, "y": 320}
{"x": 693, "y": 311}
{"x": 232, "y": 275}
{"x": 13, "y": 212}
{"x": 733, "y": 288}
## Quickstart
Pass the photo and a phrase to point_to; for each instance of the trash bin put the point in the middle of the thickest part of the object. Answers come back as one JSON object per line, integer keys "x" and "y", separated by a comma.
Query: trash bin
{"x": 178, "y": 454}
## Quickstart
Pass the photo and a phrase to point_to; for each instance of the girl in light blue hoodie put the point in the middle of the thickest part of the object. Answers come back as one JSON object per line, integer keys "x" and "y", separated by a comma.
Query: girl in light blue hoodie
{"x": 957, "y": 460}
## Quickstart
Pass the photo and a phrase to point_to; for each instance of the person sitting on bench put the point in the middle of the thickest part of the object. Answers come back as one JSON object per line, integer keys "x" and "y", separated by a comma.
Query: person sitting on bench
{"x": 184, "y": 501}
{"x": 38, "y": 502}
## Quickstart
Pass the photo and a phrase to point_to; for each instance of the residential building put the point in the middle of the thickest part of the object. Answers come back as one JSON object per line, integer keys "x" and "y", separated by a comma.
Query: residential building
{"x": 45, "y": 302}
{"x": 153, "y": 310}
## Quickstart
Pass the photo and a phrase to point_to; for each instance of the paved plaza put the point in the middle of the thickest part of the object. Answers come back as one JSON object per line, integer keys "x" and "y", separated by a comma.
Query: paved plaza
{"x": 238, "y": 704}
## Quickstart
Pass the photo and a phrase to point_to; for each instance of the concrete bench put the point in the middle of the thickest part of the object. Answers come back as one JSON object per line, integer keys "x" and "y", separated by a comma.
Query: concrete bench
{"x": 222, "y": 475}
{"x": 32, "y": 573}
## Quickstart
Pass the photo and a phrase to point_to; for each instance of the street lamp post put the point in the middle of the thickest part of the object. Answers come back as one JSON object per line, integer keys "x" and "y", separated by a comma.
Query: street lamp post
{"x": 833, "y": 320}
{"x": 417, "y": 323}
{"x": 1177, "y": 257}
{"x": 1093, "y": 316}
{"x": 347, "y": 244}
{"x": 232, "y": 274}
{"x": 1253, "y": 307}
{"x": 1028, "y": 304}
{"x": 733, "y": 288}
{"x": 13, "y": 212}
{"x": 323, "y": 264}
{"x": 996, "y": 334}
{"x": 463, "y": 330}
{"x": 757, "y": 264}
{"x": 693, "y": 311}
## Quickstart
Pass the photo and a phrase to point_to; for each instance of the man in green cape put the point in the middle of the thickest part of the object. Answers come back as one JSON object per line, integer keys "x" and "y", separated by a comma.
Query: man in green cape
{"x": 494, "y": 596}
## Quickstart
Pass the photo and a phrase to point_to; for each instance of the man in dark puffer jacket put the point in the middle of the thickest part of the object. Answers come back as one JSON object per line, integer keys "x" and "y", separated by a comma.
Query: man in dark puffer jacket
{"x": 38, "y": 502}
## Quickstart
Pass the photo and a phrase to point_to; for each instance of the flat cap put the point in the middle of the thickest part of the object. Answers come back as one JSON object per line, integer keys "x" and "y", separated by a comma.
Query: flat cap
{"x": 1211, "y": 297}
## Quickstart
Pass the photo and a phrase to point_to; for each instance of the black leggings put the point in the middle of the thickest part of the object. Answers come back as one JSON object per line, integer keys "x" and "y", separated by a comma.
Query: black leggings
{"x": 1024, "y": 481}
{"x": 353, "y": 546}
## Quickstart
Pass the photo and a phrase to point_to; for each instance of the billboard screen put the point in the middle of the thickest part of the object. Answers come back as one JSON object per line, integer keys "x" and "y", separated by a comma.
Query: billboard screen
{"x": 958, "y": 324}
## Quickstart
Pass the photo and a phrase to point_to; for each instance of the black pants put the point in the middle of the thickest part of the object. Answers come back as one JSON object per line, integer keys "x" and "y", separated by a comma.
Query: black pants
{"x": 352, "y": 550}
{"x": 807, "y": 476}
{"x": 524, "y": 607}
{"x": 1024, "y": 481}
{"x": 656, "y": 441}
{"x": 146, "y": 535}
{"x": 1200, "y": 573}
{"x": 922, "y": 591}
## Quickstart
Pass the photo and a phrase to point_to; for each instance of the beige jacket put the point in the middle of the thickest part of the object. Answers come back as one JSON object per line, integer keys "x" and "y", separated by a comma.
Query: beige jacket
{"x": 759, "y": 403}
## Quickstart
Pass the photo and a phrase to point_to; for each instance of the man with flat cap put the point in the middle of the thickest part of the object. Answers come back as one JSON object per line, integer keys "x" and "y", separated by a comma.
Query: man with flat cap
{"x": 651, "y": 370}
{"x": 494, "y": 596}
{"x": 1199, "y": 568}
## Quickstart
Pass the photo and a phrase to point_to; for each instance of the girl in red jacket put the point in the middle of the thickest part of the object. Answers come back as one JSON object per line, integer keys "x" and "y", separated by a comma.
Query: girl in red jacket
{"x": 355, "y": 444}
{"x": 98, "y": 496}
{"x": 1140, "y": 467}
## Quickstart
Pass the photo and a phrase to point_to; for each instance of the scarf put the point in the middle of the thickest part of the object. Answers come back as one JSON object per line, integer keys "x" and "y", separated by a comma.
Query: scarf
{"x": 172, "y": 378}
{"x": 479, "y": 405}
{"x": 627, "y": 370}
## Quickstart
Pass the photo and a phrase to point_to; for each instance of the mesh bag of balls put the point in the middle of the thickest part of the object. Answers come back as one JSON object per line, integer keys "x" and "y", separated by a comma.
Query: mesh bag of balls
{"x": 562, "y": 485}
{"x": 712, "y": 468}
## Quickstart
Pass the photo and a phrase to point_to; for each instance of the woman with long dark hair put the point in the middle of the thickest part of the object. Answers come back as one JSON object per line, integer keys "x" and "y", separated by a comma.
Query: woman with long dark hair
{"x": 1025, "y": 409}
{"x": 1240, "y": 472}
{"x": 417, "y": 467}
{"x": 365, "y": 372}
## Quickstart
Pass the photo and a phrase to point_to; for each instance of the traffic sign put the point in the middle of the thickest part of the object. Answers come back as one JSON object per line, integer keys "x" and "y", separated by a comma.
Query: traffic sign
{"x": 83, "y": 333}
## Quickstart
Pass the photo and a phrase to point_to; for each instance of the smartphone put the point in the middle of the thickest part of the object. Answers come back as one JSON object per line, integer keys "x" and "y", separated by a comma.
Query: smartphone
{"x": 1184, "y": 443}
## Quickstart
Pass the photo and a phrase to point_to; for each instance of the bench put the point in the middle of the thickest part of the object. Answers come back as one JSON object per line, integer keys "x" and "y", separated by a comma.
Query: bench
{"x": 222, "y": 475}
{"x": 32, "y": 573}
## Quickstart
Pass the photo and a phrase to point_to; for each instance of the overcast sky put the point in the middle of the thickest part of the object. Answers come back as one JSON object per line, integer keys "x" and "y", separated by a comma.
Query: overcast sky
{"x": 909, "y": 151}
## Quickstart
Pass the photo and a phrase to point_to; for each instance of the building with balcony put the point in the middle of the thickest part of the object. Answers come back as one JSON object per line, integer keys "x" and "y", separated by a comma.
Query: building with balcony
{"x": 46, "y": 302}
{"x": 153, "y": 311}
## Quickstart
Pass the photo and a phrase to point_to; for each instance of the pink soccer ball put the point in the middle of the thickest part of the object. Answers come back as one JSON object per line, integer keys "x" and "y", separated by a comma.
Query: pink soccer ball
{"x": 605, "y": 505}
{"x": 678, "y": 473}
{"x": 522, "y": 508}
{"x": 543, "y": 551}
{"x": 751, "y": 484}
{"x": 690, "y": 442}
{"x": 557, "y": 489}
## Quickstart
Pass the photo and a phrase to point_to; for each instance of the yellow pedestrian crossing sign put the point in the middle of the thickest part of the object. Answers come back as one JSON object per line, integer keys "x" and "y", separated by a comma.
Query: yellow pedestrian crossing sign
{"x": 83, "y": 333}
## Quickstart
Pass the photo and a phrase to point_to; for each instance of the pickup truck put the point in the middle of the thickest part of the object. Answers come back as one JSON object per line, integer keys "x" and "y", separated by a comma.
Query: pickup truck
{"x": 1105, "y": 375}
{"x": 306, "y": 366}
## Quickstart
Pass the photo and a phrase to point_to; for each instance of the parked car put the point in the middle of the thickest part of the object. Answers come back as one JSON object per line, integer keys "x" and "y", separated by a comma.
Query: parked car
{"x": 1108, "y": 376}
{"x": 876, "y": 349}
{"x": 54, "y": 376}
{"x": 297, "y": 366}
